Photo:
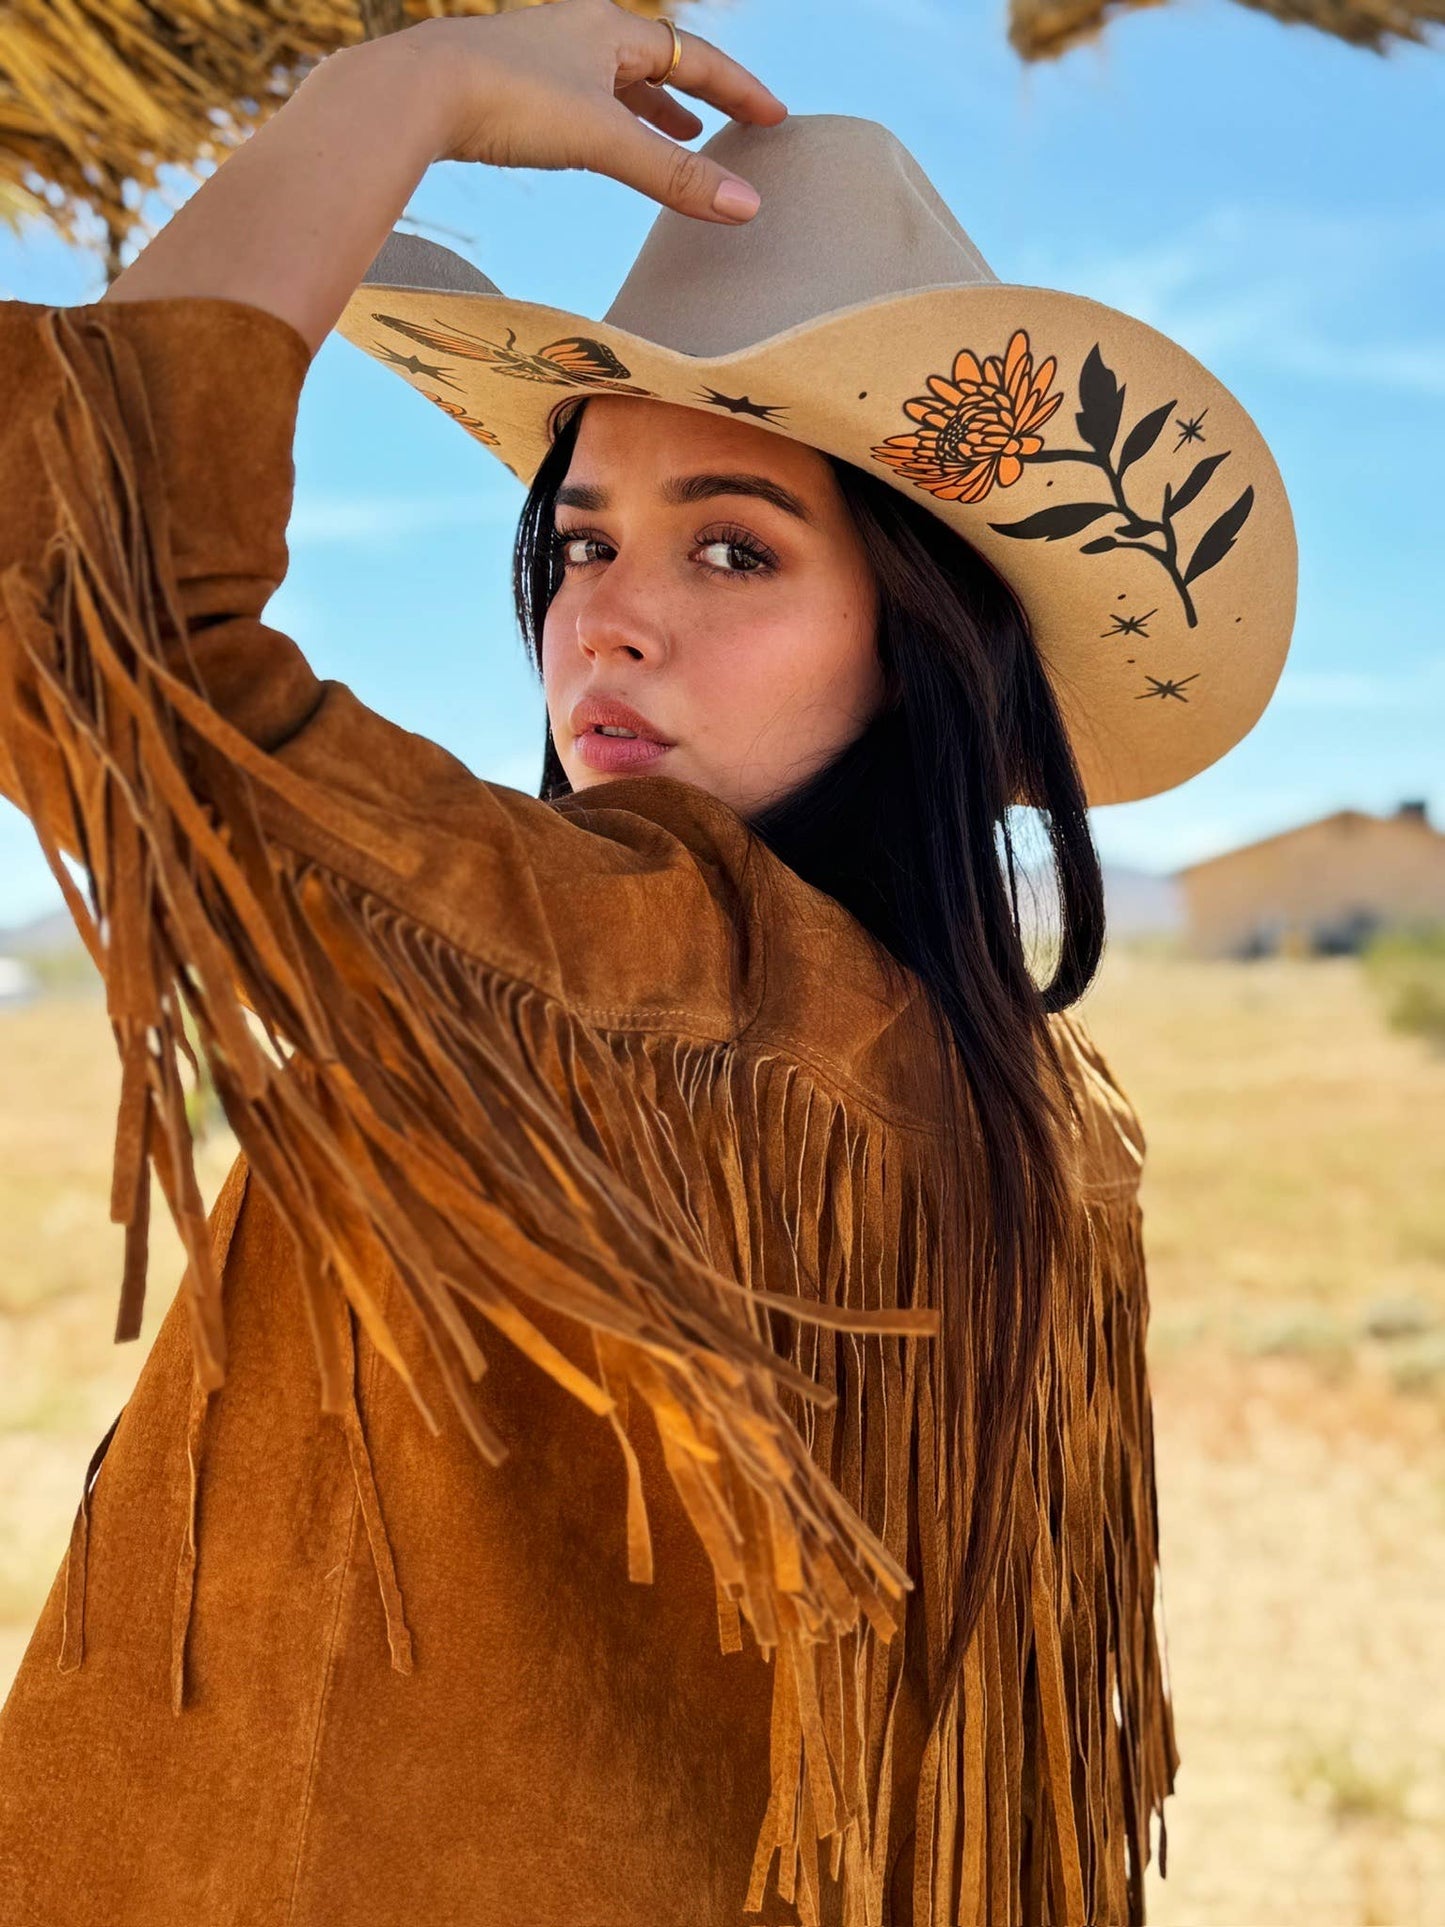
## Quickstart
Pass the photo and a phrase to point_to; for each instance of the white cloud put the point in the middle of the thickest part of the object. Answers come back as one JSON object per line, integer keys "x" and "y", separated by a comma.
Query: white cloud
{"x": 1415, "y": 367}
{"x": 351, "y": 520}
{"x": 1252, "y": 281}
{"x": 1157, "y": 845}
{"x": 1415, "y": 687}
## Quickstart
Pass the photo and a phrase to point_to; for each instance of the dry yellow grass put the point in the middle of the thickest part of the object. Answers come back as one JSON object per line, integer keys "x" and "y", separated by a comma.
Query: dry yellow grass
{"x": 1295, "y": 1221}
{"x": 1294, "y": 1168}
{"x": 1294, "y": 1215}
{"x": 62, "y": 1377}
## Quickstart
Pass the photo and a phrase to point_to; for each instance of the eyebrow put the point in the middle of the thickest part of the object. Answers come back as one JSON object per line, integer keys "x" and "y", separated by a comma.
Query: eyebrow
{"x": 678, "y": 490}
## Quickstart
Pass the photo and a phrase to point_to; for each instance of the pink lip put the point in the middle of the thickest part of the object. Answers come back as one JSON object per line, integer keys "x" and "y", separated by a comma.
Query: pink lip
{"x": 597, "y": 708}
{"x": 645, "y": 745}
{"x": 612, "y": 753}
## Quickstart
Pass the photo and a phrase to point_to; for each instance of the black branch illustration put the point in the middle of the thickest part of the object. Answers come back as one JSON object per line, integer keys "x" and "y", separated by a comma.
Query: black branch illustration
{"x": 1101, "y": 398}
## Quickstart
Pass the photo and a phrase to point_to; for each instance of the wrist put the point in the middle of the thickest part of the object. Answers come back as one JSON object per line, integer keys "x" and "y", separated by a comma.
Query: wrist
{"x": 398, "y": 82}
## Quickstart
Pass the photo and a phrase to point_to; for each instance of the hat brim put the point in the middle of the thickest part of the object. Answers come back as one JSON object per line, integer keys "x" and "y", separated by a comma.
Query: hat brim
{"x": 1120, "y": 489}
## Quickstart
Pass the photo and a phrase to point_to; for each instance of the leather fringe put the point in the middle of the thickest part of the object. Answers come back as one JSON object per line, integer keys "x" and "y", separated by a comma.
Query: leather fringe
{"x": 753, "y": 1256}
{"x": 1044, "y": 1788}
{"x": 398, "y": 1634}
{"x": 72, "y": 1621}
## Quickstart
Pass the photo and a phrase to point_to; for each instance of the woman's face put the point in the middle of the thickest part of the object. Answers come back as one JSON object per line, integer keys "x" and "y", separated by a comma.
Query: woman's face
{"x": 742, "y": 629}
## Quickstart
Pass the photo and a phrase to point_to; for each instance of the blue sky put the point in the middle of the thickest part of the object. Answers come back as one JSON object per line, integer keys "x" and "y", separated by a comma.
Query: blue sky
{"x": 1265, "y": 195}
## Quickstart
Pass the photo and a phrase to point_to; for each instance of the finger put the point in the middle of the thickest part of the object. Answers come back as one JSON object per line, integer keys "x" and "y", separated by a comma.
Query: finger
{"x": 656, "y": 106}
{"x": 678, "y": 177}
{"x": 702, "y": 70}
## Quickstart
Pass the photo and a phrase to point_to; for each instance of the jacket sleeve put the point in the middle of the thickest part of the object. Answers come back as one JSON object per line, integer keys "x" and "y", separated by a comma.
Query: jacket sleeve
{"x": 165, "y": 427}
{"x": 439, "y": 1014}
{"x": 217, "y": 384}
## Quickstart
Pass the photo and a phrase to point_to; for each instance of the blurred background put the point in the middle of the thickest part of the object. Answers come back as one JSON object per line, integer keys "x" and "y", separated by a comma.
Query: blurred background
{"x": 1262, "y": 184}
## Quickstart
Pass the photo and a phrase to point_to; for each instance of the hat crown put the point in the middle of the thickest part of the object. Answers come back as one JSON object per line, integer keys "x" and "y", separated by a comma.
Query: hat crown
{"x": 847, "y": 216}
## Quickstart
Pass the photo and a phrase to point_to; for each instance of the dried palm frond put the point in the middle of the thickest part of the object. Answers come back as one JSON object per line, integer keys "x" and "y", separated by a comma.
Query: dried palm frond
{"x": 97, "y": 96}
{"x": 1043, "y": 29}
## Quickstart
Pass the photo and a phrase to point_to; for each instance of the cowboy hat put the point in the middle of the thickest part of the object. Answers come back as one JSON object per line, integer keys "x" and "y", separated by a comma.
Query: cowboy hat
{"x": 1120, "y": 489}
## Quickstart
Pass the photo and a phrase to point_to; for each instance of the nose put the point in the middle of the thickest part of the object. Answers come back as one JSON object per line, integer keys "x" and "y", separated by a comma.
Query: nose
{"x": 624, "y": 614}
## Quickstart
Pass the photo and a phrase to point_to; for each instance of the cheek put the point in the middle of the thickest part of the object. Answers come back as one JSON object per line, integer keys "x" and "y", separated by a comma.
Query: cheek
{"x": 558, "y": 641}
{"x": 551, "y": 639}
{"x": 819, "y": 646}
{"x": 791, "y": 675}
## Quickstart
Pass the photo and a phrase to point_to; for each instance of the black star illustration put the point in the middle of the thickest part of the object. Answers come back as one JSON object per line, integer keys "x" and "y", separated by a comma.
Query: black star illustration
{"x": 1130, "y": 625}
{"x": 1163, "y": 689}
{"x": 743, "y": 405}
{"x": 412, "y": 365}
{"x": 1190, "y": 431}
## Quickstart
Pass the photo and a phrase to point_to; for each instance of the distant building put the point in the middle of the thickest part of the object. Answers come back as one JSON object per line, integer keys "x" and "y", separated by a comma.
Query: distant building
{"x": 17, "y": 982}
{"x": 1140, "y": 903}
{"x": 44, "y": 956}
{"x": 1324, "y": 887}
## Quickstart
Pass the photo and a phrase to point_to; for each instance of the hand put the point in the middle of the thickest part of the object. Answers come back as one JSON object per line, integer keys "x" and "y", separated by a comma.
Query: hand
{"x": 564, "y": 85}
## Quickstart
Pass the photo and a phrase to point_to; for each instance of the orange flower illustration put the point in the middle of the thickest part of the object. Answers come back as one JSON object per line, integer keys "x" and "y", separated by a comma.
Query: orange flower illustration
{"x": 977, "y": 428}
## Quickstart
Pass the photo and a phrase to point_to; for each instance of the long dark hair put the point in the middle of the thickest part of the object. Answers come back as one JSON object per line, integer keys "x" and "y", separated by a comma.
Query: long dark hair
{"x": 912, "y": 828}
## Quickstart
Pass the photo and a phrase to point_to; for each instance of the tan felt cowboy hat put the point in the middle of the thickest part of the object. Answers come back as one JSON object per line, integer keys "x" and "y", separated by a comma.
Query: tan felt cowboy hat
{"x": 1119, "y": 488}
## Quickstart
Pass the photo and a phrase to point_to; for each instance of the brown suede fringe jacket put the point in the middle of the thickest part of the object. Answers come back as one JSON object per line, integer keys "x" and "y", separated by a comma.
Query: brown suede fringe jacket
{"x": 603, "y": 1080}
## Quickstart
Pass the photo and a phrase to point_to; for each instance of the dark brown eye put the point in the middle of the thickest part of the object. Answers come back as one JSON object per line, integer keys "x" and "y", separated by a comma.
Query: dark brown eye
{"x": 564, "y": 539}
{"x": 760, "y": 561}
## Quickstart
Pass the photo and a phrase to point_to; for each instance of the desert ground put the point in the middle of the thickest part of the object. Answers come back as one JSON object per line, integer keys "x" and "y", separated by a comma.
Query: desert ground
{"x": 1295, "y": 1225}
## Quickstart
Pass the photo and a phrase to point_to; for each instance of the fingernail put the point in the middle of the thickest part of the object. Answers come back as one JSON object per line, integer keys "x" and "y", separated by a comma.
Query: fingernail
{"x": 737, "y": 199}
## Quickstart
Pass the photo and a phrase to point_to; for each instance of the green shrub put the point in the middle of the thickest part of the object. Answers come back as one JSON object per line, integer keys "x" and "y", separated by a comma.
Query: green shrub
{"x": 1406, "y": 966}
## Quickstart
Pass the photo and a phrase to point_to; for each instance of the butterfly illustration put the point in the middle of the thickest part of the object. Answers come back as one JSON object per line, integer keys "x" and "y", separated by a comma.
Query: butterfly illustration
{"x": 574, "y": 361}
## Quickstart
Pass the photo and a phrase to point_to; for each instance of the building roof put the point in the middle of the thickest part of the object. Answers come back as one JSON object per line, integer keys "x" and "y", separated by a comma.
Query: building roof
{"x": 1410, "y": 817}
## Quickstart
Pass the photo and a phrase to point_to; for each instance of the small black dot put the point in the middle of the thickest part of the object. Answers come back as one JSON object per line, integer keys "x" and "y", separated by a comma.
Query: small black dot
{"x": 862, "y": 394}
{"x": 1130, "y": 661}
{"x": 1239, "y": 618}
{"x": 1120, "y": 597}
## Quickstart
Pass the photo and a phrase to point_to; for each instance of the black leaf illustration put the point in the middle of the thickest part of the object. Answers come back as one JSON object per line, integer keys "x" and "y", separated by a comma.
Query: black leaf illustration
{"x": 1102, "y": 402}
{"x": 1133, "y": 531}
{"x": 1143, "y": 435}
{"x": 1067, "y": 519}
{"x": 1098, "y": 545}
{"x": 1195, "y": 480}
{"x": 1218, "y": 539}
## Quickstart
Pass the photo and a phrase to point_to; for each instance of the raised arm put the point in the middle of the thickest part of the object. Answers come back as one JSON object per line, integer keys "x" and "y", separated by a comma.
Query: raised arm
{"x": 291, "y": 222}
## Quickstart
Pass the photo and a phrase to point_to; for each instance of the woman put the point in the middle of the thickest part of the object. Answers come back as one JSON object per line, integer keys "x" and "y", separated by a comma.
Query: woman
{"x": 713, "y": 1081}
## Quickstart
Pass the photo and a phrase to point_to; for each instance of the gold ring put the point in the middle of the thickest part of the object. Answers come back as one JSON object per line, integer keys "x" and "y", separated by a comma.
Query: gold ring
{"x": 663, "y": 79}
